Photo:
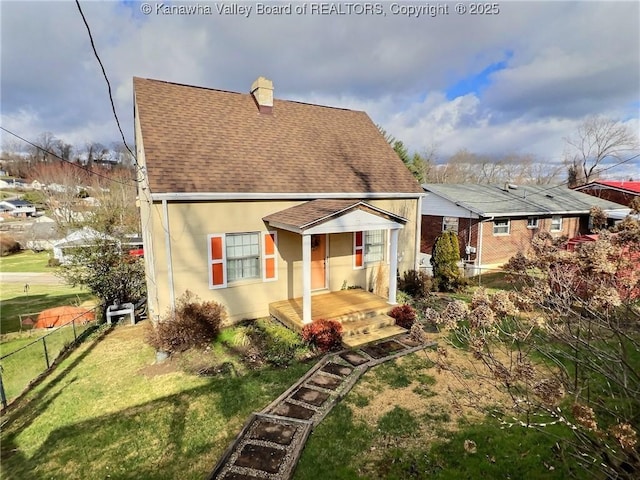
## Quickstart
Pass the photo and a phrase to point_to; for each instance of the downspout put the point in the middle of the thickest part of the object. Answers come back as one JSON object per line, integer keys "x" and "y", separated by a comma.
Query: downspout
{"x": 418, "y": 234}
{"x": 167, "y": 246}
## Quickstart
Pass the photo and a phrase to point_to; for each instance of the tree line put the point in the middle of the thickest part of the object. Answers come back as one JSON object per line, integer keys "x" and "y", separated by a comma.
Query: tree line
{"x": 597, "y": 145}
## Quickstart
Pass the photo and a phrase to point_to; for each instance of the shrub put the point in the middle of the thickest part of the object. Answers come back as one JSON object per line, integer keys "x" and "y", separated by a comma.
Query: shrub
{"x": 415, "y": 283}
{"x": 8, "y": 245}
{"x": 53, "y": 262}
{"x": 193, "y": 324}
{"x": 405, "y": 315}
{"x": 326, "y": 335}
{"x": 444, "y": 259}
{"x": 277, "y": 344}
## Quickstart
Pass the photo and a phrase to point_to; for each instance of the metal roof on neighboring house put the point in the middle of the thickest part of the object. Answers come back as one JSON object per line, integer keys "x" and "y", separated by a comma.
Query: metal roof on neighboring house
{"x": 522, "y": 200}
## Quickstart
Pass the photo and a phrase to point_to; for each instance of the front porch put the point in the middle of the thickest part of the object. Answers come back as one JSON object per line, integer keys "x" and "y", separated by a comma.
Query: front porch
{"x": 363, "y": 315}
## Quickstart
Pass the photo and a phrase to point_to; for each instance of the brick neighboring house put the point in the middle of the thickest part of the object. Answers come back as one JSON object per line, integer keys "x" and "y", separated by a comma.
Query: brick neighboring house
{"x": 615, "y": 191}
{"x": 494, "y": 223}
{"x": 248, "y": 200}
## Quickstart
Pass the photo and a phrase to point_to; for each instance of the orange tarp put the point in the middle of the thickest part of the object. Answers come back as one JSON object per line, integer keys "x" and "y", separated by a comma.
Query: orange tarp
{"x": 58, "y": 316}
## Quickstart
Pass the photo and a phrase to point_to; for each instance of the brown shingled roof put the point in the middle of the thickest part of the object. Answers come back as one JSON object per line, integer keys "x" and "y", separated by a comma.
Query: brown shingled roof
{"x": 313, "y": 212}
{"x": 199, "y": 140}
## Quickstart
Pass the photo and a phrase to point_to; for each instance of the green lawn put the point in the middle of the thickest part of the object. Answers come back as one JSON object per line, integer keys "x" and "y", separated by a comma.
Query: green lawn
{"x": 107, "y": 412}
{"x": 14, "y": 301}
{"x": 29, "y": 358}
{"x": 26, "y": 261}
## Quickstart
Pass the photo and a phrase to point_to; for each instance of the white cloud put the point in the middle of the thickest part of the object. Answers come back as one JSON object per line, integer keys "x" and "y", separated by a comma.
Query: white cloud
{"x": 565, "y": 60}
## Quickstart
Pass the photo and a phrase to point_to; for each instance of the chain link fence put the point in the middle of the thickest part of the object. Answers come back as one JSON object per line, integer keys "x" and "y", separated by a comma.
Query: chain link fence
{"x": 29, "y": 358}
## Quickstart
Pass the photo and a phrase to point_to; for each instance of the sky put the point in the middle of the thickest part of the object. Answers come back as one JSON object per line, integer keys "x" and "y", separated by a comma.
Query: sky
{"x": 511, "y": 77}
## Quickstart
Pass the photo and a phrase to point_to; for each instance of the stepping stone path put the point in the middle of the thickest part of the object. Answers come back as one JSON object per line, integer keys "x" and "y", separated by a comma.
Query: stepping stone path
{"x": 271, "y": 442}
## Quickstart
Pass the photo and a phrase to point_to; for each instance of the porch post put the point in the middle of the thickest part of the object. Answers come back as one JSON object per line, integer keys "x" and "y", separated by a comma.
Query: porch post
{"x": 306, "y": 278}
{"x": 393, "y": 266}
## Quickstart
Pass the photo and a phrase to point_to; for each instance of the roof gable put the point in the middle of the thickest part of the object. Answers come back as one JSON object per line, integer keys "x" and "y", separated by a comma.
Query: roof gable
{"x": 332, "y": 216}
{"x": 199, "y": 140}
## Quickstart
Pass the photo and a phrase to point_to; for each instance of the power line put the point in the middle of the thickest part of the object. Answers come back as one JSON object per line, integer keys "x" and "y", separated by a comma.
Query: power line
{"x": 73, "y": 164}
{"x": 106, "y": 78}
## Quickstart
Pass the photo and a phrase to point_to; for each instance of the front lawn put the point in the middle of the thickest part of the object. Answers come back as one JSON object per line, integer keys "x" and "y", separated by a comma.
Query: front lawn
{"x": 108, "y": 412}
{"x": 26, "y": 261}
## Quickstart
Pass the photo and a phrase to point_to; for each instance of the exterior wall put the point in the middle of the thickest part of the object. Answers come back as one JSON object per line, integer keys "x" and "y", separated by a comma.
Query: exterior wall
{"x": 186, "y": 236}
{"x": 467, "y": 234}
{"x": 498, "y": 249}
{"x": 612, "y": 195}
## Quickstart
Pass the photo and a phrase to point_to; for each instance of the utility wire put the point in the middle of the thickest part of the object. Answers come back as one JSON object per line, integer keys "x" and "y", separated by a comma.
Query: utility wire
{"x": 85, "y": 169}
{"x": 104, "y": 73}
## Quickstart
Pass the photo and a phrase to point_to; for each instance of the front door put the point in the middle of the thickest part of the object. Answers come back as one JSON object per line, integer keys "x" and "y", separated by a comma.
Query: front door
{"x": 318, "y": 261}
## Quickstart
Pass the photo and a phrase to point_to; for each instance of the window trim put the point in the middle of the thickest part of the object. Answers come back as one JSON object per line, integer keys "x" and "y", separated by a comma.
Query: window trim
{"x": 457, "y": 224}
{"x": 559, "y": 229}
{"x": 508, "y": 225}
{"x": 537, "y": 223}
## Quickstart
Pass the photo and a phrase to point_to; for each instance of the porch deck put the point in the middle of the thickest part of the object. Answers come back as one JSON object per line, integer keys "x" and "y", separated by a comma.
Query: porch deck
{"x": 363, "y": 315}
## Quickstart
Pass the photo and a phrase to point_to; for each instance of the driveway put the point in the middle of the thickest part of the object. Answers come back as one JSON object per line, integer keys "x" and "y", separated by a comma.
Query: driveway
{"x": 30, "y": 278}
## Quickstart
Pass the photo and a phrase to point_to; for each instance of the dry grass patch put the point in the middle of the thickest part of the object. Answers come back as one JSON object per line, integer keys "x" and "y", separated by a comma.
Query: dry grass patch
{"x": 447, "y": 399}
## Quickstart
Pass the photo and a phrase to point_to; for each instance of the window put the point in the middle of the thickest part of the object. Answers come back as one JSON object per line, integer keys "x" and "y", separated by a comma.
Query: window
{"x": 243, "y": 256}
{"x": 368, "y": 247}
{"x": 374, "y": 246}
{"x": 556, "y": 223}
{"x": 240, "y": 256}
{"x": 501, "y": 226}
{"x": 532, "y": 222}
{"x": 450, "y": 224}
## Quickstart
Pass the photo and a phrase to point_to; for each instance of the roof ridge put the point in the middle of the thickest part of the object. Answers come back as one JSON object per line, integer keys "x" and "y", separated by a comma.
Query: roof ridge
{"x": 276, "y": 99}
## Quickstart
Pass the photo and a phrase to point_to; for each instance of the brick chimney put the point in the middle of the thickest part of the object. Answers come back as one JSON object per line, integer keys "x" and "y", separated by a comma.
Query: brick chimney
{"x": 262, "y": 91}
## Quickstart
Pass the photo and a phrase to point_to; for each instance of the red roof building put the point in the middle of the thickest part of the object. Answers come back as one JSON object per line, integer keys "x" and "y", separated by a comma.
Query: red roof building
{"x": 615, "y": 191}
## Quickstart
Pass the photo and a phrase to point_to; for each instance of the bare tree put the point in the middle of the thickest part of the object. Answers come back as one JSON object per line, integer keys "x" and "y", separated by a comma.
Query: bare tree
{"x": 572, "y": 359}
{"x": 598, "y": 139}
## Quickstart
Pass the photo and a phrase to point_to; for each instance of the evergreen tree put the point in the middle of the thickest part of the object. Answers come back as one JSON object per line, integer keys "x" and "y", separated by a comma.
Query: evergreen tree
{"x": 445, "y": 258}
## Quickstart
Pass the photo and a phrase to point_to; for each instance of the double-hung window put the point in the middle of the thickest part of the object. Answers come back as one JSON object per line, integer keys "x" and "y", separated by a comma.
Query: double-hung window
{"x": 532, "y": 222}
{"x": 556, "y": 223}
{"x": 374, "y": 246}
{"x": 501, "y": 226}
{"x": 242, "y": 256}
{"x": 368, "y": 247}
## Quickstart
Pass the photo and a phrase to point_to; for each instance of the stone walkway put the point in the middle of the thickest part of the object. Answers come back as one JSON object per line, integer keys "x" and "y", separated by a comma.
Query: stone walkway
{"x": 270, "y": 443}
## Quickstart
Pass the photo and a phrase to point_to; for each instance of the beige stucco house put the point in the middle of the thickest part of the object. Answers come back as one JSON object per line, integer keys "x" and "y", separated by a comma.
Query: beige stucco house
{"x": 248, "y": 200}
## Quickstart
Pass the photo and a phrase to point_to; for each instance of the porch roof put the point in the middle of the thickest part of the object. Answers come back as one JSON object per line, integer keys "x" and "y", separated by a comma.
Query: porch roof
{"x": 334, "y": 216}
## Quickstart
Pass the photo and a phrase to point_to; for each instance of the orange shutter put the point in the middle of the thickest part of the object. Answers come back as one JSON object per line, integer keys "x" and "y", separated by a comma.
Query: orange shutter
{"x": 358, "y": 250}
{"x": 269, "y": 270}
{"x": 217, "y": 262}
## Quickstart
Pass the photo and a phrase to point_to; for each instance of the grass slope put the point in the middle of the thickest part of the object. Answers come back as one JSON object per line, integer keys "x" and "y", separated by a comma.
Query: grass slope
{"x": 101, "y": 414}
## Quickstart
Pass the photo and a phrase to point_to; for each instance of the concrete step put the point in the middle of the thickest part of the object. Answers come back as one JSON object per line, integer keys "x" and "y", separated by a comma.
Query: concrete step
{"x": 367, "y": 324}
{"x": 358, "y": 340}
